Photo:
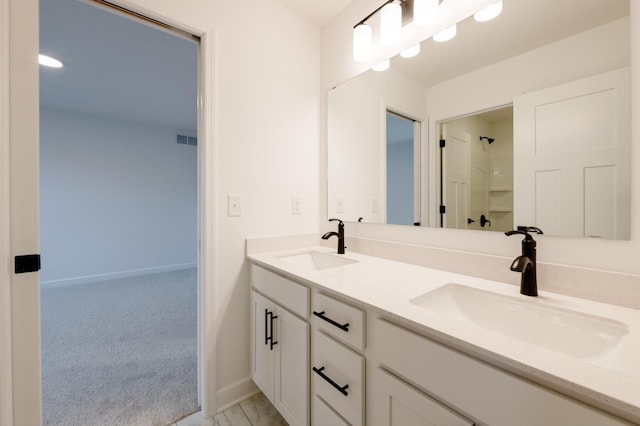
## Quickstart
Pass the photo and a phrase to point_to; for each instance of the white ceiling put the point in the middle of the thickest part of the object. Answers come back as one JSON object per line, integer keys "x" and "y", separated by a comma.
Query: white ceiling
{"x": 318, "y": 11}
{"x": 116, "y": 67}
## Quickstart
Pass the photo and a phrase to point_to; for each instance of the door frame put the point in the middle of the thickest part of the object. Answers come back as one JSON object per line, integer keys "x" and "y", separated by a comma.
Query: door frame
{"x": 12, "y": 47}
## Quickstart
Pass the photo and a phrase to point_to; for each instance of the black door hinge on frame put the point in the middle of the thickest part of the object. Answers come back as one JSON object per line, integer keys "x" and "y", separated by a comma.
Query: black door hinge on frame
{"x": 27, "y": 263}
{"x": 443, "y": 142}
{"x": 443, "y": 209}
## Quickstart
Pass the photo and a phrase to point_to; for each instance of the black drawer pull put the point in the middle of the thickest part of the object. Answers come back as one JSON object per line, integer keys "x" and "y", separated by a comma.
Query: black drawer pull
{"x": 342, "y": 389}
{"x": 343, "y": 327}
{"x": 268, "y": 322}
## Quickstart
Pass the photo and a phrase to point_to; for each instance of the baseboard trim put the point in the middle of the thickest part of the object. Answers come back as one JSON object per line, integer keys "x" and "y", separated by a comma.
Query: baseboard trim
{"x": 236, "y": 392}
{"x": 88, "y": 279}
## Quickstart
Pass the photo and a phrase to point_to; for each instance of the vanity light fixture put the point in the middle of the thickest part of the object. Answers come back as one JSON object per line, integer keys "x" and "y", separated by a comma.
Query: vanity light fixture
{"x": 50, "y": 62}
{"x": 446, "y": 34}
{"x": 411, "y": 52}
{"x": 382, "y": 66}
{"x": 489, "y": 12}
{"x": 390, "y": 23}
{"x": 390, "y": 27}
{"x": 425, "y": 12}
{"x": 362, "y": 42}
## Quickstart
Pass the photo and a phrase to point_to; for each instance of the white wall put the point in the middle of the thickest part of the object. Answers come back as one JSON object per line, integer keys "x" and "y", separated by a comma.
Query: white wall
{"x": 115, "y": 197}
{"x": 265, "y": 126}
{"x": 599, "y": 254}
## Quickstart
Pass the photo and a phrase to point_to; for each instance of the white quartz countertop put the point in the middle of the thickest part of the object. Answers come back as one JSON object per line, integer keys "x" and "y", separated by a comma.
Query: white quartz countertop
{"x": 388, "y": 287}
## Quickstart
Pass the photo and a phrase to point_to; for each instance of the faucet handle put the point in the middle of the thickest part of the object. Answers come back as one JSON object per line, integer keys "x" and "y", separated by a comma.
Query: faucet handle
{"x": 530, "y": 229}
{"x": 336, "y": 220}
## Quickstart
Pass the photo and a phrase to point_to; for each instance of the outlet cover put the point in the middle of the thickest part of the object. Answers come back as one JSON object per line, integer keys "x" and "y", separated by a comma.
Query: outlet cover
{"x": 339, "y": 205}
{"x": 296, "y": 205}
{"x": 375, "y": 205}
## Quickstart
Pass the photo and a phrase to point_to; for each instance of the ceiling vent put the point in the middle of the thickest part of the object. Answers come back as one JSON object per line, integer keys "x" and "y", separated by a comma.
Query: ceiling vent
{"x": 187, "y": 140}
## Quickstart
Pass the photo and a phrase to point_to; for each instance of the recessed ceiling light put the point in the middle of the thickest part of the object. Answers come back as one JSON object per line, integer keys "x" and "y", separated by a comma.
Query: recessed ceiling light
{"x": 48, "y": 61}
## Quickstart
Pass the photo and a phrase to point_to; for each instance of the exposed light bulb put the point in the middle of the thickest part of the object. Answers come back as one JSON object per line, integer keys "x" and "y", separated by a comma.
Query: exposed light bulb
{"x": 425, "y": 12}
{"x": 411, "y": 52}
{"x": 390, "y": 24}
{"x": 446, "y": 34}
{"x": 362, "y": 42}
{"x": 50, "y": 62}
{"x": 489, "y": 12}
{"x": 382, "y": 66}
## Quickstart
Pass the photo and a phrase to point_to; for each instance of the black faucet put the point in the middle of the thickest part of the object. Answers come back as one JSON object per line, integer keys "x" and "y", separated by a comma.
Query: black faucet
{"x": 339, "y": 234}
{"x": 526, "y": 263}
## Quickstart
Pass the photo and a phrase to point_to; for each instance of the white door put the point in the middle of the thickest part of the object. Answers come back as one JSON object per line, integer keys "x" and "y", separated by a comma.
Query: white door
{"x": 456, "y": 176}
{"x": 20, "y": 318}
{"x": 571, "y": 162}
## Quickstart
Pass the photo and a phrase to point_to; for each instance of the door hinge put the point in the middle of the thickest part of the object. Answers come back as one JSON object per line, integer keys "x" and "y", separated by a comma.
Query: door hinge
{"x": 27, "y": 263}
{"x": 443, "y": 142}
{"x": 443, "y": 209}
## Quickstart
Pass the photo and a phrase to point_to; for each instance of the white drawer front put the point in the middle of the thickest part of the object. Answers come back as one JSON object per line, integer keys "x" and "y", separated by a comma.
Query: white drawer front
{"x": 345, "y": 368}
{"x": 395, "y": 403}
{"x": 486, "y": 393}
{"x": 323, "y": 415}
{"x": 287, "y": 293}
{"x": 339, "y": 320}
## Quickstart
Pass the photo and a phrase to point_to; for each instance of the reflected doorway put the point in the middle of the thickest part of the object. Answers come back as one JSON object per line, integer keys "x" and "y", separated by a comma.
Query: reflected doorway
{"x": 477, "y": 171}
{"x": 402, "y": 170}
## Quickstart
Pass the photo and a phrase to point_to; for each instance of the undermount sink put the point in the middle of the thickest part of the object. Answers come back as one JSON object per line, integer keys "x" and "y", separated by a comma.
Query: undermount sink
{"x": 583, "y": 336}
{"x": 317, "y": 260}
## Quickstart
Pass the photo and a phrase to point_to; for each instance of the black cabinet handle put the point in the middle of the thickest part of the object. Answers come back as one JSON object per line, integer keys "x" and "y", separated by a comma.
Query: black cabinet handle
{"x": 268, "y": 323}
{"x": 341, "y": 389}
{"x": 266, "y": 326}
{"x": 343, "y": 327}
{"x": 272, "y": 342}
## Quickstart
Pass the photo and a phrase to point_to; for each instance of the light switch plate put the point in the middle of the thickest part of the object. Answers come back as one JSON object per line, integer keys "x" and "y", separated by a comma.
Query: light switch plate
{"x": 235, "y": 205}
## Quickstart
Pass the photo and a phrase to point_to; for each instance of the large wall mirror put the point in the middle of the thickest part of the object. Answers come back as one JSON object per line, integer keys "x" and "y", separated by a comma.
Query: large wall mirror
{"x": 523, "y": 120}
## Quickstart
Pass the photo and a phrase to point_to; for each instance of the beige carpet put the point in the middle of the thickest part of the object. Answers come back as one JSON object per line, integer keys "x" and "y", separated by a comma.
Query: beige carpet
{"x": 120, "y": 352}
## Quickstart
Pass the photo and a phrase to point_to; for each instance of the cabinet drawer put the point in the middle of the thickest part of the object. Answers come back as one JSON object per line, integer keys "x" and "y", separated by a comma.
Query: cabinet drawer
{"x": 323, "y": 415}
{"x": 289, "y": 294}
{"x": 395, "y": 403}
{"x": 340, "y": 320}
{"x": 485, "y": 393}
{"x": 338, "y": 377}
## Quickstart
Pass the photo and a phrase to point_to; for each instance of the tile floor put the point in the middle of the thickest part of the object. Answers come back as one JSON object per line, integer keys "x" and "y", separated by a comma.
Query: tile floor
{"x": 255, "y": 411}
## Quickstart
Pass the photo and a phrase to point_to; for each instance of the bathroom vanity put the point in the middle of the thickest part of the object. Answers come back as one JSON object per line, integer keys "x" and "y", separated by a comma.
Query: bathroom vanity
{"x": 359, "y": 340}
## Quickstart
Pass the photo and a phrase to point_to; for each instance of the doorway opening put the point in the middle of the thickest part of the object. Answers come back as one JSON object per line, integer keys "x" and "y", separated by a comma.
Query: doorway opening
{"x": 119, "y": 214}
{"x": 402, "y": 170}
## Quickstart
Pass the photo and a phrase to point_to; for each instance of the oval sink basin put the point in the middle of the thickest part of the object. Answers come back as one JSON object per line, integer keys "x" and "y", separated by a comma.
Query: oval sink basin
{"x": 317, "y": 260}
{"x": 572, "y": 333}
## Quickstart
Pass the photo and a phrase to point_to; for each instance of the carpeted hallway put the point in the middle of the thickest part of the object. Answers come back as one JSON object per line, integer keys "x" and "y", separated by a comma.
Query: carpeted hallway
{"x": 120, "y": 352}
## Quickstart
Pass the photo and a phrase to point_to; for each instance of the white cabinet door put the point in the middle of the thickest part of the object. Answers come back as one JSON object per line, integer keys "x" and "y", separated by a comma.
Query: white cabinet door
{"x": 292, "y": 368}
{"x": 280, "y": 358}
{"x": 263, "y": 353}
{"x": 395, "y": 403}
